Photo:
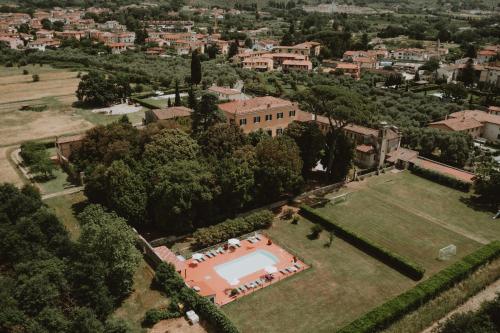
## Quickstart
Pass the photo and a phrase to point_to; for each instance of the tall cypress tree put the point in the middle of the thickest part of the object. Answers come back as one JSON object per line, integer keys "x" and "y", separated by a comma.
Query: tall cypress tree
{"x": 192, "y": 102}
{"x": 177, "y": 101}
{"x": 195, "y": 68}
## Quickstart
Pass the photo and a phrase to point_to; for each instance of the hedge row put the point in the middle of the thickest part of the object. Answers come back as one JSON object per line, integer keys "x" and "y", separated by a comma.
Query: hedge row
{"x": 153, "y": 316}
{"x": 144, "y": 103}
{"x": 391, "y": 311}
{"x": 168, "y": 280}
{"x": 441, "y": 178}
{"x": 394, "y": 260}
{"x": 232, "y": 228}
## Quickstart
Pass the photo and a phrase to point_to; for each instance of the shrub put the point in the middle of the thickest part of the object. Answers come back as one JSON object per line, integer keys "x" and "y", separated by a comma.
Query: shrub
{"x": 316, "y": 231}
{"x": 391, "y": 311}
{"x": 295, "y": 219}
{"x": 394, "y": 260}
{"x": 25, "y": 72}
{"x": 169, "y": 281}
{"x": 232, "y": 228}
{"x": 153, "y": 316}
{"x": 35, "y": 77}
{"x": 287, "y": 213}
{"x": 441, "y": 178}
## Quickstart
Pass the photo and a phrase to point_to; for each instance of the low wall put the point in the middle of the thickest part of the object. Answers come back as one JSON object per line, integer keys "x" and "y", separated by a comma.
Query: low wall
{"x": 147, "y": 251}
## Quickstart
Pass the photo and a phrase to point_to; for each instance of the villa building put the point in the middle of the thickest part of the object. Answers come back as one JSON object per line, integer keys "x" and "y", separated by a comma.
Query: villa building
{"x": 475, "y": 123}
{"x": 269, "y": 114}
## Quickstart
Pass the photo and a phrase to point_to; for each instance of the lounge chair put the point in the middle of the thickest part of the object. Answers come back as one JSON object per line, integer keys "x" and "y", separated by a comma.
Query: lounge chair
{"x": 289, "y": 270}
{"x": 238, "y": 245}
{"x": 282, "y": 271}
{"x": 208, "y": 254}
{"x": 294, "y": 269}
{"x": 258, "y": 282}
{"x": 214, "y": 253}
{"x": 243, "y": 287}
{"x": 258, "y": 237}
{"x": 297, "y": 265}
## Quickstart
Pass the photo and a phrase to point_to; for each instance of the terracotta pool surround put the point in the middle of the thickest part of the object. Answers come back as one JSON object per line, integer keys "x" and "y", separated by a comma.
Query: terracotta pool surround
{"x": 204, "y": 276}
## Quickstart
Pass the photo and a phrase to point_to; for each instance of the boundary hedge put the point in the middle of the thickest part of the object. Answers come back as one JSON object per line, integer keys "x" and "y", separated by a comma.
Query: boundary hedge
{"x": 401, "y": 264}
{"x": 232, "y": 228}
{"x": 441, "y": 178}
{"x": 169, "y": 281}
{"x": 389, "y": 312}
{"x": 144, "y": 103}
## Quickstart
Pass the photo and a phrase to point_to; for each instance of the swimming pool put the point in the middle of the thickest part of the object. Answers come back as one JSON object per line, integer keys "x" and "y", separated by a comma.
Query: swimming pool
{"x": 246, "y": 265}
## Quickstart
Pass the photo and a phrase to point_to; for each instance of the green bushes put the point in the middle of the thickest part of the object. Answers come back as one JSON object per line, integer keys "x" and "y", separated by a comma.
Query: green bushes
{"x": 397, "y": 262}
{"x": 145, "y": 103}
{"x": 441, "y": 178}
{"x": 168, "y": 280}
{"x": 386, "y": 314}
{"x": 232, "y": 228}
{"x": 153, "y": 316}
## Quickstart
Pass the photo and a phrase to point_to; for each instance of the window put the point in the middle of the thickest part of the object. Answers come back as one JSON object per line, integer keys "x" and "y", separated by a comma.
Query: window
{"x": 279, "y": 115}
{"x": 256, "y": 119}
{"x": 279, "y": 131}
{"x": 270, "y": 132}
{"x": 291, "y": 113}
{"x": 269, "y": 117}
{"x": 243, "y": 121}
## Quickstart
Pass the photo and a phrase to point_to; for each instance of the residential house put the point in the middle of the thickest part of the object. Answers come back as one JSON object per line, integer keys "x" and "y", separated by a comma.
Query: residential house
{"x": 297, "y": 65}
{"x": 43, "y": 43}
{"x": 412, "y": 54}
{"x": 485, "y": 56}
{"x": 12, "y": 42}
{"x": 174, "y": 112}
{"x": 259, "y": 64}
{"x": 117, "y": 48}
{"x": 229, "y": 94}
{"x": 267, "y": 113}
{"x": 66, "y": 145}
{"x": 476, "y": 123}
{"x": 491, "y": 75}
{"x": 342, "y": 68}
{"x": 309, "y": 49}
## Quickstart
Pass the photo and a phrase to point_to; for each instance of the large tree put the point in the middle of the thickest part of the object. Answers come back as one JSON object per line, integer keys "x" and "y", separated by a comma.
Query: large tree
{"x": 279, "y": 167}
{"x": 206, "y": 114}
{"x": 195, "y": 68}
{"x": 182, "y": 195}
{"x": 340, "y": 107}
{"x": 311, "y": 142}
{"x": 221, "y": 140}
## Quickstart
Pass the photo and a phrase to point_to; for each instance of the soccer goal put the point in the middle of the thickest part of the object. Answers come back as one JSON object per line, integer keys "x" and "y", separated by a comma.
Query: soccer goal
{"x": 447, "y": 252}
{"x": 339, "y": 198}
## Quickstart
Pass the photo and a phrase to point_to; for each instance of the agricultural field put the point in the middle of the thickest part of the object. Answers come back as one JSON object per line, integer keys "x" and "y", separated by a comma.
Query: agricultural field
{"x": 402, "y": 212}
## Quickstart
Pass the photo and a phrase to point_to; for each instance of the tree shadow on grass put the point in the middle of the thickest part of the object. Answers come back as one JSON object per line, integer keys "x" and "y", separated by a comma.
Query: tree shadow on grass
{"x": 479, "y": 204}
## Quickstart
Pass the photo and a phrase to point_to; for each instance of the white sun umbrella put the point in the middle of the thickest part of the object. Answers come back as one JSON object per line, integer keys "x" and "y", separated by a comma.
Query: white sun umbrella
{"x": 233, "y": 241}
{"x": 197, "y": 256}
{"x": 271, "y": 269}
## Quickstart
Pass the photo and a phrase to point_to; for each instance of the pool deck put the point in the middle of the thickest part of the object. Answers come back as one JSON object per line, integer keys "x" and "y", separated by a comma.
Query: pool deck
{"x": 211, "y": 284}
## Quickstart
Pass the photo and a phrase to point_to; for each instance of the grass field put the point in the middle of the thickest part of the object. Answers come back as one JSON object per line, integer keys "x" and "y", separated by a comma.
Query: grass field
{"x": 64, "y": 208}
{"x": 414, "y": 217}
{"x": 403, "y": 212}
{"x": 342, "y": 284}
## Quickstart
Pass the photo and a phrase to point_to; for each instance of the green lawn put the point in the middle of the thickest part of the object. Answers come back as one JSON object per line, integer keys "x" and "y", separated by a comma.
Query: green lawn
{"x": 64, "y": 208}
{"x": 103, "y": 119}
{"x": 413, "y": 217}
{"x": 403, "y": 212}
{"x": 342, "y": 284}
{"x": 142, "y": 298}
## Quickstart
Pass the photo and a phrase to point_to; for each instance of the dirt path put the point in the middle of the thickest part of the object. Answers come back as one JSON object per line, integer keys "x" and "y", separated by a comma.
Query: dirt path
{"x": 177, "y": 325}
{"x": 65, "y": 192}
{"x": 8, "y": 173}
{"x": 488, "y": 294}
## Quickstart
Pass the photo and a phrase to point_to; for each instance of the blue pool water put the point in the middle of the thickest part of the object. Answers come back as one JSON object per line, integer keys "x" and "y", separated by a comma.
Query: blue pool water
{"x": 246, "y": 265}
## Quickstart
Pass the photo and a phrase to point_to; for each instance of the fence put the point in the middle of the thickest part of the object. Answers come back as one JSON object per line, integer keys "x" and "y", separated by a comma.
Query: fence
{"x": 148, "y": 251}
{"x": 373, "y": 173}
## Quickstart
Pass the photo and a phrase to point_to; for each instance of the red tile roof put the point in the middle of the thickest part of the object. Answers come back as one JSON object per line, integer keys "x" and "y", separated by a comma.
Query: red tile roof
{"x": 364, "y": 148}
{"x": 254, "y": 105}
{"x": 172, "y": 112}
